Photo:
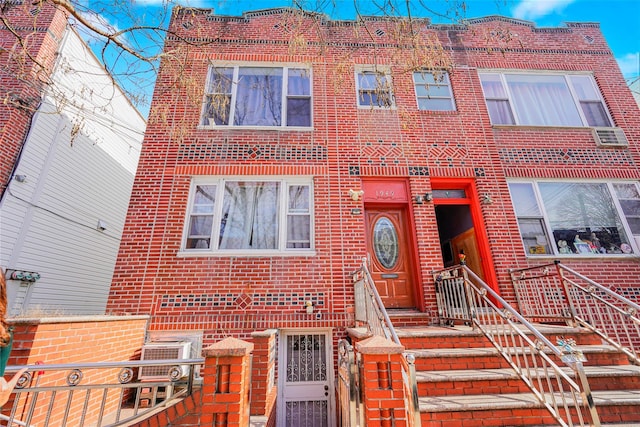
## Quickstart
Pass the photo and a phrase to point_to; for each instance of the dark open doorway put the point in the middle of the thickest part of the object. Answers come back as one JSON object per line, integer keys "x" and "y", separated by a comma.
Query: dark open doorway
{"x": 457, "y": 236}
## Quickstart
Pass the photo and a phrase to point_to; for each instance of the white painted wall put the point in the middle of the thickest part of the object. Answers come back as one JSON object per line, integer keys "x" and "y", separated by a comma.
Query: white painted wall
{"x": 48, "y": 224}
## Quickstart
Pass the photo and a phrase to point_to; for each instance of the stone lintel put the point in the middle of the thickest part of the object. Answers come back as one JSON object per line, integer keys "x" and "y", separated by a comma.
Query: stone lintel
{"x": 359, "y": 333}
{"x": 265, "y": 333}
{"x": 228, "y": 347}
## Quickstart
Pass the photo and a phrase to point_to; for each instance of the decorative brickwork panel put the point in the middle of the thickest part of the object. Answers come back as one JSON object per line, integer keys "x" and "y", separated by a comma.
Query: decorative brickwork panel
{"x": 257, "y": 152}
{"x": 241, "y": 301}
{"x": 567, "y": 156}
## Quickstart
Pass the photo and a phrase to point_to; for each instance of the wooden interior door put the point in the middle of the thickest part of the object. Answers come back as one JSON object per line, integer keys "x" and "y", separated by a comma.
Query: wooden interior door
{"x": 467, "y": 243}
{"x": 389, "y": 244}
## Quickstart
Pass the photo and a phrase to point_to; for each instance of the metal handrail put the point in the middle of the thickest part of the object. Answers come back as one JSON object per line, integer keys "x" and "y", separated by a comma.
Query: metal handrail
{"x": 95, "y": 394}
{"x": 463, "y": 296}
{"x": 556, "y": 292}
{"x": 377, "y": 318}
{"x": 371, "y": 310}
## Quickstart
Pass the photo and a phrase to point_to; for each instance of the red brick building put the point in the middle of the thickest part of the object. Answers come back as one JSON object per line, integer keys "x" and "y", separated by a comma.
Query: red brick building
{"x": 255, "y": 203}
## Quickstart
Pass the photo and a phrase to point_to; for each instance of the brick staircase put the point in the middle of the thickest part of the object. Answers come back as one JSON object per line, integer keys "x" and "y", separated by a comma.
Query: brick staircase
{"x": 463, "y": 381}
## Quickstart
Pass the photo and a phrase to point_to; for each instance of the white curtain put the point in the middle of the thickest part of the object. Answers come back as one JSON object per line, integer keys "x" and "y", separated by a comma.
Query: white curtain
{"x": 543, "y": 100}
{"x": 259, "y": 97}
{"x": 298, "y": 218}
{"x": 497, "y": 102}
{"x": 201, "y": 220}
{"x": 249, "y": 216}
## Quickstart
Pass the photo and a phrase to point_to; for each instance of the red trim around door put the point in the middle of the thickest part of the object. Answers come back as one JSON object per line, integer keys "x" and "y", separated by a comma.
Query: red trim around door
{"x": 473, "y": 200}
{"x": 393, "y": 192}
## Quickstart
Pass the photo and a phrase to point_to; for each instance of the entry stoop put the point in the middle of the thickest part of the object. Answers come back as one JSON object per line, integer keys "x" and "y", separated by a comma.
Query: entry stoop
{"x": 464, "y": 381}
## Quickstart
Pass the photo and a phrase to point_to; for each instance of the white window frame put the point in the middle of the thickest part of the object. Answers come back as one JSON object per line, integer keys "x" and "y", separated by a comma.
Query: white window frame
{"x": 574, "y": 97}
{"x": 283, "y": 213}
{"x": 383, "y": 72}
{"x": 234, "y": 89}
{"x": 634, "y": 240}
{"x": 445, "y": 82}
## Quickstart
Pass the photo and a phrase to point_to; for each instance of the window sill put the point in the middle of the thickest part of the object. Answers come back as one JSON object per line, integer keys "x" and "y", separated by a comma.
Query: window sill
{"x": 244, "y": 254}
{"x": 260, "y": 128}
{"x": 621, "y": 257}
{"x": 373, "y": 108}
{"x": 542, "y": 127}
{"x": 439, "y": 112}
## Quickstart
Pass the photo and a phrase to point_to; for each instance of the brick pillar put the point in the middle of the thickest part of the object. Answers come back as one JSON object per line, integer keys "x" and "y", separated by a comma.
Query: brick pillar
{"x": 263, "y": 388}
{"x": 227, "y": 377}
{"x": 382, "y": 384}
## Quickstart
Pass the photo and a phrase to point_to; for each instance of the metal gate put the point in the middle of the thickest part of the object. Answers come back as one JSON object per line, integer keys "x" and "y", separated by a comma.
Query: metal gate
{"x": 306, "y": 380}
{"x": 349, "y": 397}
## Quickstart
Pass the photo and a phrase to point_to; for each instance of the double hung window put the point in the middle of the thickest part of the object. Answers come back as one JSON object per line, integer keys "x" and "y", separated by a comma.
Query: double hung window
{"x": 544, "y": 100}
{"x": 433, "y": 91}
{"x": 257, "y": 96}
{"x": 249, "y": 216}
{"x": 577, "y": 218}
{"x": 374, "y": 89}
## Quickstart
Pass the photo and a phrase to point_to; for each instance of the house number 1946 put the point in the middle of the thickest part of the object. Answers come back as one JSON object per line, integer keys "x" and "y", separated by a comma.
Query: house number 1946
{"x": 385, "y": 194}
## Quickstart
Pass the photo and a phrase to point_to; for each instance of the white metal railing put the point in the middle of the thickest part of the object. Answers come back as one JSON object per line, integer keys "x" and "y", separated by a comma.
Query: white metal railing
{"x": 369, "y": 307}
{"x": 94, "y": 394}
{"x": 371, "y": 312}
{"x": 555, "y": 292}
{"x": 463, "y": 297}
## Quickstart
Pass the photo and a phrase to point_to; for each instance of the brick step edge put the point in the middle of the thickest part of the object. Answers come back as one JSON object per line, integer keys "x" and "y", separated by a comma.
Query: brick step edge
{"x": 613, "y": 371}
{"x": 486, "y": 402}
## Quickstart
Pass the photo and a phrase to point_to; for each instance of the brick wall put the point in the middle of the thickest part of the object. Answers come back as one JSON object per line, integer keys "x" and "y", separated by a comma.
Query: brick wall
{"x": 22, "y": 79}
{"x": 232, "y": 296}
{"x": 75, "y": 340}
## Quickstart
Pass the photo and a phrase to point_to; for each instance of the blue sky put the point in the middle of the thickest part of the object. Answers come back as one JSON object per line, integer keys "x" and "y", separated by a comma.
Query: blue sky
{"x": 619, "y": 20}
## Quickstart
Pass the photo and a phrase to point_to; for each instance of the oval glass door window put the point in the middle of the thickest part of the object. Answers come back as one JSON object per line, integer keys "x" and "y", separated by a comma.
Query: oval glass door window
{"x": 385, "y": 242}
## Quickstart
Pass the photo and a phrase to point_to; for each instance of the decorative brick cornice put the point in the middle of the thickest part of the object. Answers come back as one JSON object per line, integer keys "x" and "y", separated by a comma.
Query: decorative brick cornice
{"x": 208, "y": 40}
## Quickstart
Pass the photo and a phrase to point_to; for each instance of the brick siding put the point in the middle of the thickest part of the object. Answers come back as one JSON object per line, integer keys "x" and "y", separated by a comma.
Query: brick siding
{"x": 227, "y": 295}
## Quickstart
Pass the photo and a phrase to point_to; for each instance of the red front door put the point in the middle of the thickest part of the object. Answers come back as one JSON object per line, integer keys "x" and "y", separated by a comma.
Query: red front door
{"x": 389, "y": 245}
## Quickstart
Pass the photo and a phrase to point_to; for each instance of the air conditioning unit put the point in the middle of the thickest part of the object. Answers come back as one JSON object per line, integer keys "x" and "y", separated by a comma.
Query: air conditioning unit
{"x": 610, "y": 137}
{"x": 161, "y": 351}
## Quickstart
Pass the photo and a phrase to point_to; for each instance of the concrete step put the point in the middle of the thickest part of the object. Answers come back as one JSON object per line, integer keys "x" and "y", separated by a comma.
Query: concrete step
{"x": 490, "y": 358}
{"x": 463, "y": 380}
{"x": 466, "y": 337}
{"x": 491, "y": 401}
{"x": 505, "y": 380}
{"x": 520, "y": 409}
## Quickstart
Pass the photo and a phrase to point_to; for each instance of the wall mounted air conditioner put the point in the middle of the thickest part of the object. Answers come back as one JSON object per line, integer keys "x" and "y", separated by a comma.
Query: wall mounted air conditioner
{"x": 161, "y": 351}
{"x": 610, "y": 137}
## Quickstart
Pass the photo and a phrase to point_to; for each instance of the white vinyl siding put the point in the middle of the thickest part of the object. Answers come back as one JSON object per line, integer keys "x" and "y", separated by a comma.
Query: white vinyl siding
{"x": 49, "y": 222}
